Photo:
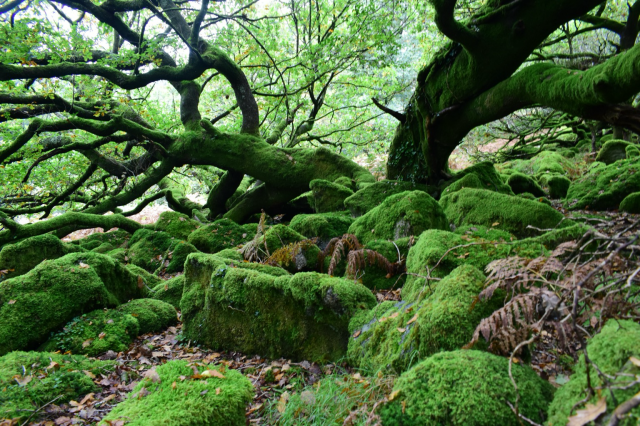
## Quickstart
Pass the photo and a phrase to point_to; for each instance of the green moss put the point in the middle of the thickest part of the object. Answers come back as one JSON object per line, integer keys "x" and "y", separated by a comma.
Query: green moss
{"x": 395, "y": 336}
{"x": 604, "y": 187}
{"x": 179, "y": 252}
{"x": 21, "y": 257}
{"x": 470, "y": 180}
{"x": 610, "y": 351}
{"x": 149, "y": 279}
{"x": 219, "y": 235}
{"x": 279, "y": 236}
{"x": 119, "y": 254}
{"x": 466, "y": 388}
{"x": 486, "y": 174}
{"x": 323, "y": 226}
{"x": 612, "y": 151}
{"x": 328, "y": 196}
{"x": 632, "y": 151}
{"x": 147, "y": 248}
{"x": 373, "y": 195}
{"x": 520, "y": 183}
{"x": 232, "y": 254}
{"x": 631, "y": 203}
{"x": 301, "y": 317}
{"x": 174, "y": 401}
{"x": 513, "y": 214}
{"x": 95, "y": 333}
{"x": 374, "y": 277}
{"x": 54, "y": 292}
{"x": 556, "y": 184}
{"x": 176, "y": 224}
{"x": 169, "y": 291}
{"x": 346, "y": 182}
{"x": 400, "y": 215}
{"x": 544, "y": 162}
{"x": 530, "y": 196}
{"x": 116, "y": 238}
{"x": 63, "y": 381}
{"x": 152, "y": 315}
{"x": 103, "y": 248}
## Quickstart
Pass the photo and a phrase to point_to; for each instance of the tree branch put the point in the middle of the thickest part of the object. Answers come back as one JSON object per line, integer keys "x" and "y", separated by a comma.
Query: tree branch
{"x": 395, "y": 114}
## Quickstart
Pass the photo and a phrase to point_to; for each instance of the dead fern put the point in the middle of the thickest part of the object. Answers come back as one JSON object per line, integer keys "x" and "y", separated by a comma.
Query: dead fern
{"x": 338, "y": 247}
{"x": 251, "y": 251}
{"x": 358, "y": 260}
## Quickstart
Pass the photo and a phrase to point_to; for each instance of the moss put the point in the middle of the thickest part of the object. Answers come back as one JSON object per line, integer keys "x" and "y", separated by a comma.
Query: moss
{"x": 95, "y": 333}
{"x": 178, "y": 255}
{"x": 323, "y": 226}
{"x": 632, "y": 151}
{"x": 604, "y": 187}
{"x": 304, "y": 257}
{"x": 149, "y": 279}
{"x": 152, "y": 315}
{"x": 219, "y": 235}
{"x": 465, "y": 388}
{"x": 375, "y": 277}
{"x": 520, "y": 183}
{"x": 612, "y": 151}
{"x": 544, "y": 162}
{"x": 346, "y": 182}
{"x": 373, "y": 195}
{"x": 400, "y": 215}
{"x": 175, "y": 401}
{"x": 631, "y": 203}
{"x": 116, "y": 238}
{"x": 245, "y": 183}
{"x": 103, "y": 248}
{"x": 486, "y": 174}
{"x": 470, "y": 180}
{"x": 556, "y": 184}
{"x": 54, "y": 292}
{"x": 395, "y": 336}
{"x": 301, "y": 317}
{"x": 63, "y": 381}
{"x": 21, "y": 257}
{"x": 328, "y": 196}
{"x": 169, "y": 291}
{"x": 176, "y": 224}
{"x": 232, "y": 254}
{"x": 610, "y": 351}
{"x": 513, "y": 214}
{"x": 530, "y": 196}
{"x": 119, "y": 254}
{"x": 147, "y": 248}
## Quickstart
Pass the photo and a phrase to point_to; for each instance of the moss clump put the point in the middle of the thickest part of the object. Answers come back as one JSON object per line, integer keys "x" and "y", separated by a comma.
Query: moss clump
{"x": 116, "y": 238}
{"x": 148, "y": 279}
{"x": 147, "y": 248}
{"x": 373, "y": 195}
{"x": 221, "y": 234}
{"x": 346, "y": 182}
{"x": 530, "y": 196}
{"x": 465, "y": 388}
{"x": 395, "y": 336}
{"x": 400, "y": 215}
{"x": 631, "y": 203}
{"x": 119, "y": 254}
{"x": 328, "y": 196}
{"x": 604, "y": 187}
{"x": 178, "y": 254}
{"x": 152, "y": 314}
{"x": 21, "y": 257}
{"x": 192, "y": 401}
{"x": 610, "y": 351}
{"x": 301, "y": 317}
{"x": 56, "y": 291}
{"x": 52, "y": 376}
{"x": 632, "y": 151}
{"x": 324, "y": 226}
{"x": 486, "y": 174}
{"x": 298, "y": 258}
{"x": 470, "y": 180}
{"x": 513, "y": 214}
{"x": 232, "y": 254}
{"x": 612, "y": 151}
{"x": 556, "y": 184}
{"x": 95, "y": 333}
{"x": 520, "y": 183}
{"x": 169, "y": 291}
{"x": 544, "y": 162}
{"x": 176, "y": 224}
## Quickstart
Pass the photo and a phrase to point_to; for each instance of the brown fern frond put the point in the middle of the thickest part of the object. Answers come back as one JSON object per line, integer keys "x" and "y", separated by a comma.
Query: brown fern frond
{"x": 338, "y": 247}
{"x": 566, "y": 247}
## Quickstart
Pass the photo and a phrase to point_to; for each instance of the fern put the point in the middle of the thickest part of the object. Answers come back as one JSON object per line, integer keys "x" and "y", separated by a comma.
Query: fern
{"x": 358, "y": 260}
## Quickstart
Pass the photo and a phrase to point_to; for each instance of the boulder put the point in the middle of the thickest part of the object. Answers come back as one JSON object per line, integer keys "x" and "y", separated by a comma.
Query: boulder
{"x": 373, "y": 195}
{"x": 485, "y": 173}
{"x": 632, "y": 151}
{"x": 328, "y": 196}
{"x": 556, "y": 184}
{"x": 323, "y": 226}
{"x": 178, "y": 225}
{"x": 148, "y": 250}
{"x": 520, "y": 183}
{"x": 152, "y": 315}
{"x": 470, "y": 180}
{"x": 612, "y": 151}
{"x": 169, "y": 291}
{"x": 289, "y": 249}
{"x": 631, "y": 203}
{"x": 219, "y": 235}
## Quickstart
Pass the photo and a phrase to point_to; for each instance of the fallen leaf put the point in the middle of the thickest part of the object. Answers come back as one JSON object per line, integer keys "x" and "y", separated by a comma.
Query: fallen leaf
{"x": 393, "y": 395}
{"x": 307, "y": 397}
{"x": 218, "y": 390}
{"x": 82, "y": 265}
{"x": 357, "y": 333}
{"x": 152, "y": 375}
{"x": 140, "y": 282}
{"x": 158, "y": 354}
{"x": 495, "y": 224}
{"x": 383, "y": 319}
{"x": 413, "y": 319}
{"x": 635, "y": 361}
{"x": 212, "y": 373}
{"x": 101, "y": 335}
{"x": 394, "y": 315}
{"x": 282, "y": 402}
{"x": 589, "y": 414}
{"x": 173, "y": 385}
{"x": 11, "y": 302}
{"x": 401, "y": 330}
{"x": 22, "y": 380}
{"x": 89, "y": 374}
{"x": 53, "y": 366}
{"x": 204, "y": 392}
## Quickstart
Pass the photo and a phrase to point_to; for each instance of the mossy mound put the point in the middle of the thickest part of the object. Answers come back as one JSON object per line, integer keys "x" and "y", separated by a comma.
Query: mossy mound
{"x": 544, "y": 162}
{"x": 471, "y": 206}
{"x": 117, "y": 238}
{"x": 487, "y": 175}
{"x": 221, "y": 234}
{"x": 530, "y": 196}
{"x": 177, "y": 255}
{"x": 46, "y": 376}
{"x": 200, "y": 399}
{"x": 178, "y": 225}
{"x": 632, "y": 151}
{"x": 147, "y": 278}
{"x": 328, "y": 196}
{"x": 346, "y": 181}
{"x": 610, "y": 351}
{"x": 304, "y": 316}
{"x": 19, "y": 258}
{"x": 232, "y": 254}
{"x": 152, "y": 315}
{"x": 400, "y": 215}
{"x": 520, "y": 183}
{"x": 373, "y": 195}
{"x": 604, "y": 187}
{"x": 297, "y": 254}
{"x": 56, "y": 291}
{"x": 395, "y": 336}
{"x": 169, "y": 291}
{"x": 556, "y": 184}
{"x": 631, "y": 203}
{"x": 324, "y": 226}
{"x": 148, "y": 249}
{"x": 470, "y": 180}
{"x": 612, "y": 151}
{"x": 372, "y": 276}
{"x": 95, "y": 333}
{"x": 466, "y": 388}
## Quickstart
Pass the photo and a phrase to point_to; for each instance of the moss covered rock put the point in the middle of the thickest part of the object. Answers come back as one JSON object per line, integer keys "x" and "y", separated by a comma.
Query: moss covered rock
{"x": 169, "y": 291}
{"x": 466, "y": 388}
{"x": 146, "y": 278}
{"x": 487, "y": 175}
{"x": 289, "y": 249}
{"x": 152, "y": 315}
{"x": 328, "y": 196}
{"x": 301, "y": 317}
{"x": 544, "y": 162}
{"x": 48, "y": 376}
{"x": 324, "y": 226}
{"x": 470, "y": 180}
{"x": 612, "y": 151}
{"x": 610, "y": 351}
{"x": 471, "y": 206}
{"x": 373, "y": 195}
{"x": 395, "y": 336}
{"x": 631, "y": 203}
{"x": 200, "y": 399}
{"x": 19, "y": 258}
{"x": 519, "y": 183}
{"x": 632, "y": 151}
{"x": 556, "y": 184}
{"x": 221, "y": 234}
{"x": 176, "y": 224}
{"x": 604, "y": 187}
{"x": 400, "y": 215}
{"x": 56, "y": 291}
{"x": 117, "y": 238}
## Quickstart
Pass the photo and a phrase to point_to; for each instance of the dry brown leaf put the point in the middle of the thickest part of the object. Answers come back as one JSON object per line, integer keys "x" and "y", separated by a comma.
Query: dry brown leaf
{"x": 82, "y": 265}
{"x": 393, "y": 395}
{"x": 101, "y": 335}
{"x": 11, "y": 302}
{"x": 212, "y": 373}
{"x": 401, "y": 330}
{"x": 218, "y": 390}
{"x": 413, "y": 319}
{"x": 22, "y": 380}
{"x": 635, "y": 361}
{"x": 152, "y": 375}
{"x": 394, "y": 315}
{"x": 86, "y": 343}
{"x": 357, "y": 333}
{"x": 589, "y": 414}
{"x": 282, "y": 402}
{"x": 89, "y": 374}
{"x": 140, "y": 282}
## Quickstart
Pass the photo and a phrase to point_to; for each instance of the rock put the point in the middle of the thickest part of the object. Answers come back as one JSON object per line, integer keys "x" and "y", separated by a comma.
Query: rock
{"x": 19, "y": 258}
{"x": 219, "y": 235}
{"x": 470, "y": 180}
{"x": 466, "y": 387}
{"x": 544, "y": 162}
{"x": 373, "y": 195}
{"x": 631, "y": 203}
{"x": 612, "y": 151}
{"x": 556, "y": 184}
{"x": 521, "y": 183}
{"x": 152, "y": 315}
{"x": 169, "y": 291}
{"x": 212, "y": 397}
{"x": 485, "y": 173}
{"x": 289, "y": 249}
{"x": 178, "y": 225}
{"x": 400, "y": 215}
{"x": 632, "y": 151}
{"x": 323, "y": 226}
{"x": 148, "y": 249}
{"x": 328, "y": 196}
